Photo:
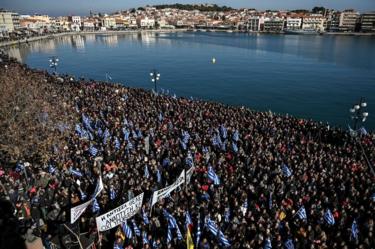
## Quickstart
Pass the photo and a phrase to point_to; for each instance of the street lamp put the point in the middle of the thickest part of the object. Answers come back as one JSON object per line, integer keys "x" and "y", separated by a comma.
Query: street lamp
{"x": 358, "y": 112}
{"x": 155, "y": 76}
{"x": 54, "y": 62}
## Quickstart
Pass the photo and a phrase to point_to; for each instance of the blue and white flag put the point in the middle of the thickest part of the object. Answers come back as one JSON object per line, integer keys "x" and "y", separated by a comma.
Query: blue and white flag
{"x": 188, "y": 220}
{"x": 234, "y": 147}
{"x": 106, "y": 136}
{"x": 136, "y": 229}
{"x": 244, "y": 208}
{"x": 145, "y": 239}
{"x": 301, "y": 213}
{"x": 227, "y": 215}
{"x": 117, "y": 144}
{"x": 117, "y": 246}
{"x": 129, "y": 146}
{"x": 354, "y": 231}
{"x": 223, "y": 240}
{"x": 169, "y": 234}
{"x": 95, "y": 206}
{"x": 185, "y": 137}
{"x": 20, "y": 167}
{"x": 93, "y": 151}
{"x": 126, "y": 134}
{"x": 78, "y": 129}
{"x": 51, "y": 169}
{"x": 75, "y": 172}
{"x": 174, "y": 96}
{"x": 236, "y": 136}
{"x": 127, "y": 231}
{"x": 198, "y": 235}
{"x": 179, "y": 234}
{"x": 145, "y": 218}
{"x": 83, "y": 195}
{"x": 100, "y": 132}
{"x": 87, "y": 122}
{"x": 183, "y": 145}
{"x": 160, "y": 117}
{"x": 211, "y": 226}
{"x": 328, "y": 217}
{"x": 286, "y": 171}
{"x": 158, "y": 176}
{"x": 223, "y": 131}
{"x": 289, "y": 244}
{"x": 112, "y": 194}
{"x": 216, "y": 140}
{"x": 267, "y": 244}
{"x": 212, "y": 176}
{"x": 147, "y": 173}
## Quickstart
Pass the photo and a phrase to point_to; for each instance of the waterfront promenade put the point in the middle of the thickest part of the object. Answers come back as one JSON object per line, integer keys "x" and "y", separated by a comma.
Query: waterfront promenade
{"x": 259, "y": 178}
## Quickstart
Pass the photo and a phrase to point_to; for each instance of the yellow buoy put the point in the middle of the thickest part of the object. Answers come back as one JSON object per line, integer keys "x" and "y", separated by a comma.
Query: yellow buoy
{"x": 213, "y": 60}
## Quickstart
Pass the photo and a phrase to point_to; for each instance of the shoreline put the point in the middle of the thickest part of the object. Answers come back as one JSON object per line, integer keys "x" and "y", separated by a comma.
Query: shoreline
{"x": 51, "y": 36}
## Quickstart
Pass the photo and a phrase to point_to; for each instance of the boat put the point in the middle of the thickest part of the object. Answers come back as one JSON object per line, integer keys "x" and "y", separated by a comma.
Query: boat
{"x": 302, "y": 32}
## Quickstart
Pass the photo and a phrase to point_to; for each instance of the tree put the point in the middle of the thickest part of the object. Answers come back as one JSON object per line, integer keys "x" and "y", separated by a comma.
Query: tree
{"x": 318, "y": 10}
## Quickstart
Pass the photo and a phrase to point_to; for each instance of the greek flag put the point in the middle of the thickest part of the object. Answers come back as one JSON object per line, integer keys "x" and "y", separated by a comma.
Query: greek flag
{"x": 355, "y": 231}
{"x": 107, "y": 76}
{"x": 169, "y": 234}
{"x": 158, "y": 176}
{"x": 188, "y": 220}
{"x": 216, "y": 141}
{"x": 106, "y": 135}
{"x": 189, "y": 161}
{"x": 139, "y": 134}
{"x": 160, "y": 117}
{"x": 211, "y": 226}
{"x": 127, "y": 231}
{"x": 198, "y": 235}
{"x": 244, "y": 208}
{"x": 117, "y": 144}
{"x": 51, "y": 169}
{"x": 179, "y": 234}
{"x": 234, "y": 147}
{"x": 212, "y": 176}
{"x": 183, "y": 145}
{"x": 112, "y": 194}
{"x": 147, "y": 173}
{"x": 185, "y": 137}
{"x": 78, "y": 129}
{"x": 144, "y": 238}
{"x": 126, "y": 134}
{"x": 145, "y": 218}
{"x": 136, "y": 229}
{"x": 223, "y": 131}
{"x": 174, "y": 96}
{"x": 227, "y": 215}
{"x": 301, "y": 213}
{"x": 93, "y": 151}
{"x": 117, "y": 246}
{"x": 236, "y": 136}
{"x": 204, "y": 150}
{"x": 95, "y": 206}
{"x": 100, "y": 132}
{"x": 267, "y": 244}
{"x": 129, "y": 146}
{"x": 83, "y": 195}
{"x": 87, "y": 122}
{"x": 328, "y": 217}
{"x": 75, "y": 172}
{"x": 286, "y": 171}
{"x": 223, "y": 239}
{"x": 289, "y": 244}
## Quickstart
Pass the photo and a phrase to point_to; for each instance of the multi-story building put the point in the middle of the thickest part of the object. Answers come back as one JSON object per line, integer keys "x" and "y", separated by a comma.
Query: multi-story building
{"x": 293, "y": 23}
{"x": 348, "y": 20}
{"x": 313, "y": 21}
{"x": 109, "y": 22}
{"x": 9, "y": 21}
{"x": 75, "y": 19}
{"x": 254, "y": 23}
{"x": 273, "y": 24}
{"x": 146, "y": 23}
{"x": 368, "y": 22}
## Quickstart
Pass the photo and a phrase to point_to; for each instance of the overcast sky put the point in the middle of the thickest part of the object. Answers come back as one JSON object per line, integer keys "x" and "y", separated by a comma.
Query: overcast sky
{"x": 82, "y": 7}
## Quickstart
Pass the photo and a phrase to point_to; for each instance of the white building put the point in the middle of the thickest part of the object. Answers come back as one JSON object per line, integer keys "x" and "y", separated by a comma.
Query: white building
{"x": 313, "y": 21}
{"x": 76, "y": 19}
{"x": 254, "y": 23}
{"x": 293, "y": 23}
{"x": 75, "y": 27}
{"x": 348, "y": 20}
{"x": 109, "y": 22}
{"x": 147, "y": 23}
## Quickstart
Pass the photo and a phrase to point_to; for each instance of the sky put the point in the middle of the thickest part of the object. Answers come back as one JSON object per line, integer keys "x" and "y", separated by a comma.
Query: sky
{"x": 83, "y": 7}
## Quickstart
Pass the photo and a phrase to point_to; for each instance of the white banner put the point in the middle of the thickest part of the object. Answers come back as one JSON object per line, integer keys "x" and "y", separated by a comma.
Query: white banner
{"x": 162, "y": 193}
{"x": 120, "y": 214}
{"x": 77, "y": 211}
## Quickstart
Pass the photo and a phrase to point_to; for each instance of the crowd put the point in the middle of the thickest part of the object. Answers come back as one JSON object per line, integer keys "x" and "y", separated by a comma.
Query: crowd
{"x": 262, "y": 180}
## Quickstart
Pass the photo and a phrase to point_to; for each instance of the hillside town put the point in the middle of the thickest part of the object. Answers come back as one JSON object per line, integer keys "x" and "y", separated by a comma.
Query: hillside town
{"x": 319, "y": 19}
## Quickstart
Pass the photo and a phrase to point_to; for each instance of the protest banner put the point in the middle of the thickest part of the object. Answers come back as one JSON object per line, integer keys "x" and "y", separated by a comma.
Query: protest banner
{"x": 120, "y": 214}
